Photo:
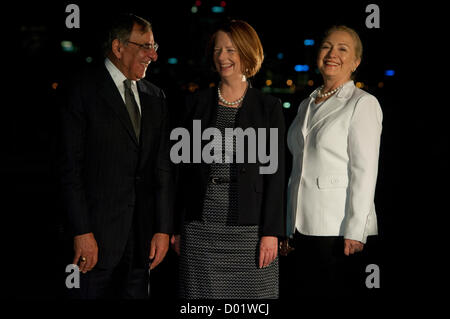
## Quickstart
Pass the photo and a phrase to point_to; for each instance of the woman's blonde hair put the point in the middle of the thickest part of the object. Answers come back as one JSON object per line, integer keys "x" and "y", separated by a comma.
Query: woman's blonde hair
{"x": 247, "y": 43}
{"x": 352, "y": 33}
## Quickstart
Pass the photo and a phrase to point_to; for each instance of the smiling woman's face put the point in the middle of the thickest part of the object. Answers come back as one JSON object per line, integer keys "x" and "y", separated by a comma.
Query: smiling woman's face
{"x": 337, "y": 58}
{"x": 226, "y": 57}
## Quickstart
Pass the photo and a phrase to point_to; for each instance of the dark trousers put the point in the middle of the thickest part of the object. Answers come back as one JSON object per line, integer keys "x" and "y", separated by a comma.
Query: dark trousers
{"x": 124, "y": 281}
{"x": 322, "y": 269}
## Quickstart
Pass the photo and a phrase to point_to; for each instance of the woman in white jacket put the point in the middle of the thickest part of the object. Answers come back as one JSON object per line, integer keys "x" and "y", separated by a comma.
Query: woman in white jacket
{"x": 334, "y": 140}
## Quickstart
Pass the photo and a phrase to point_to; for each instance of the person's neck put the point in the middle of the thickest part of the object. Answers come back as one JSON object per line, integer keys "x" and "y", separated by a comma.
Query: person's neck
{"x": 117, "y": 64}
{"x": 331, "y": 84}
{"x": 232, "y": 88}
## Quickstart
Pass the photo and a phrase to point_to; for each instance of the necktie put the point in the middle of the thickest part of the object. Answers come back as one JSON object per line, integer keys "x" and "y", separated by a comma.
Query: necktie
{"x": 132, "y": 108}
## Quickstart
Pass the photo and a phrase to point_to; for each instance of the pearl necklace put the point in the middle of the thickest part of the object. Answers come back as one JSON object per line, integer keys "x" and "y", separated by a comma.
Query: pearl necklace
{"x": 320, "y": 94}
{"x": 237, "y": 102}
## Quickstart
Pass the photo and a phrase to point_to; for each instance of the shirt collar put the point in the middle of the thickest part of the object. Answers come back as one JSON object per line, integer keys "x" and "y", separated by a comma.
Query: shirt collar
{"x": 116, "y": 74}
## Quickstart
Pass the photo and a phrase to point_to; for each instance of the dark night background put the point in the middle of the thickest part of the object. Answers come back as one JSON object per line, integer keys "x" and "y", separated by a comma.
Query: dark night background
{"x": 32, "y": 220}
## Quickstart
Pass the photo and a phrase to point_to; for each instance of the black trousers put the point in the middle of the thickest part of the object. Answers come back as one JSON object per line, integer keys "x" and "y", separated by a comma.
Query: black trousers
{"x": 124, "y": 281}
{"x": 322, "y": 269}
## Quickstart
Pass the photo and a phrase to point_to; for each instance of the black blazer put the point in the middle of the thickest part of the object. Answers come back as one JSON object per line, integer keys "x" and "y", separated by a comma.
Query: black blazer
{"x": 260, "y": 197}
{"x": 110, "y": 182}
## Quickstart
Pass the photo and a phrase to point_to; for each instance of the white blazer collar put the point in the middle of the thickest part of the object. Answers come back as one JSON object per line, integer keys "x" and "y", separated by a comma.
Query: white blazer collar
{"x": 345, "y": 91}
{"x": 330, "y": 106}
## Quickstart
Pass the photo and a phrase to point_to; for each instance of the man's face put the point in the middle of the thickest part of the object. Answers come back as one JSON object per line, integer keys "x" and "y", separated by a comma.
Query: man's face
{"x": 134, "y": 60}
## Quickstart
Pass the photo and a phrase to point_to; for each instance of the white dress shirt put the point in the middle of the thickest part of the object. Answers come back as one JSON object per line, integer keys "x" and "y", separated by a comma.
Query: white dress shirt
{"x": 118, "y": 79}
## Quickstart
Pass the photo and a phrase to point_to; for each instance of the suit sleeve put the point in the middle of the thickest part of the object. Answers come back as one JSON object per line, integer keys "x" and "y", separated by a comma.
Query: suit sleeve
{"x": 164, "y": 217}
{"x": 71, "y": 160}
{"x": 363, "y": 147}
{"x": 273, "y": 216}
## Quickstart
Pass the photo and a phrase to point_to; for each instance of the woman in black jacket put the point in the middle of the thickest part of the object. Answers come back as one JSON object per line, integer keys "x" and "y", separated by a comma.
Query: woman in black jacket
{"x": 232, "y": 202}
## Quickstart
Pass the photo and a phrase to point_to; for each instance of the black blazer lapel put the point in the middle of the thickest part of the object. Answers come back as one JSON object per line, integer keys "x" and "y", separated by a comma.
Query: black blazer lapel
{"x": 207, "y": 111}
{"x": 208, "y": 117}
{"x": 250, "y": 114}
{"x": 109, "y": 92}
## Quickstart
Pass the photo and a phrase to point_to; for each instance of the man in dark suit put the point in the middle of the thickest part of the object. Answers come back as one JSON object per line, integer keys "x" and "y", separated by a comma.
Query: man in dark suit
{"x": 116, "y": 172}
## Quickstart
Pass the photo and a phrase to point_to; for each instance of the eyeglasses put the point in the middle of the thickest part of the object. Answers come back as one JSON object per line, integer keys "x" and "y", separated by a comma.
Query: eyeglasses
{"x": 146, "y": 46}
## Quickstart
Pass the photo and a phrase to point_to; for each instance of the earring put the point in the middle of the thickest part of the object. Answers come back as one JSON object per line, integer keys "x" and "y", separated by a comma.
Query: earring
{"x": 244, "y": 78}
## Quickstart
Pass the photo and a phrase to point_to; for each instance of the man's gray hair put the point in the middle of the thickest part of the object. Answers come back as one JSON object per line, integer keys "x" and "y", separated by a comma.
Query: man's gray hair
{"x": 120, "y": 28}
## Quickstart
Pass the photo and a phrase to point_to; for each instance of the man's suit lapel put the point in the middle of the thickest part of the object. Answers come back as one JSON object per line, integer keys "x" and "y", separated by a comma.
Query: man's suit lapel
{"x": 151, "y": 116}
{"x": 109, "y": 92}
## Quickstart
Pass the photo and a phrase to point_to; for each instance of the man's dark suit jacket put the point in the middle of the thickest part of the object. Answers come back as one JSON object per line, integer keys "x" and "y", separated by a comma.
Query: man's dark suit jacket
{"x": 110, "y": 182}
{"x": 260, "y": 197}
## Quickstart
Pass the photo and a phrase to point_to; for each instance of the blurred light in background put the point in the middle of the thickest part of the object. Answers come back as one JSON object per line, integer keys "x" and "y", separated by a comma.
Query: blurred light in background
{"x": 67, "y": 46}
{"x": 223, "y": 3}
{"x": 308, "y": 42}
{"x": 89, "y": 59}
{"x": 268, "y": 82}
{"x": 217, "y": 9}
{"x": 198, "y": 3}
{"x": 380, "y": 85}
{"x": 289, "y": 82}
{"x": 301, "y": 67}
{"x": 194, "y": 9}
{"x": 310, "y": 82}
{"x": 280, "y": 56}
{"x": 286, "y": 105}
{"x": 192, "y": 87}
{"x": 389, "y": 72}
{"x": 359, "y": 85}
{"x": 54, "y": 85}
{"x": 172, "y": 60}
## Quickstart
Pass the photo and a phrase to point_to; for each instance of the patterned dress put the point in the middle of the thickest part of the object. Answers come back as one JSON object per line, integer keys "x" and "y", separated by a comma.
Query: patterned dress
{"x": 219, "y": 259}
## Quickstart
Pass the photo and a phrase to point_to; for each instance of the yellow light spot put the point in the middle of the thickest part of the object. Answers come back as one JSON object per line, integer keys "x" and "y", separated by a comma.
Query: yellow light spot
{"x": 54, "y": 85}
{"x": 310, "y": 82}
{"x": 192, "y": 87}
{"x": 268, "y": 82}
{"x": 289, "y": 82}
{"x": 212, "y": 84}
{"x": 359, "y": 85}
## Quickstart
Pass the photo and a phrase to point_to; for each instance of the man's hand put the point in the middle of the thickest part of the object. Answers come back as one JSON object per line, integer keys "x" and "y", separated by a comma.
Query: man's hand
{"x": 268, "y": 250}
{"x": 352, "y": 246}
{"x": 86, "y": 252}
{"x": 158, "y": 249}
{"x": 175, "y": 243}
